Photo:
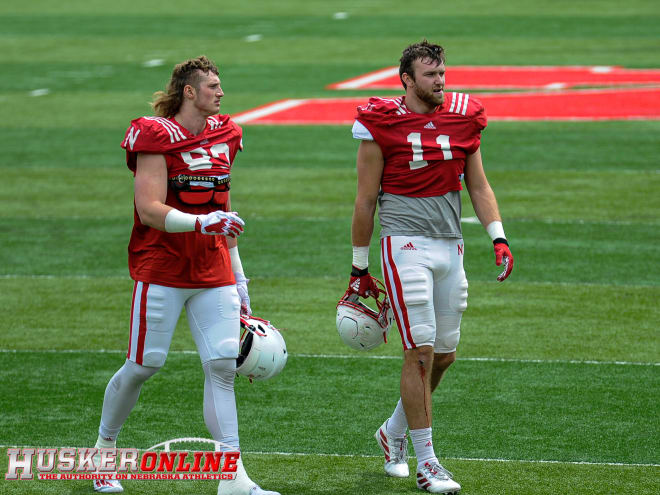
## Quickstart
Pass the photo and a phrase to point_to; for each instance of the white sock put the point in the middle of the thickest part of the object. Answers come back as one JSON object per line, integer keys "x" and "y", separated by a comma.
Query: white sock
{"x": 397, "y": 424}
{"x": 422, "y": 441}
{"x": 102, "y": 443}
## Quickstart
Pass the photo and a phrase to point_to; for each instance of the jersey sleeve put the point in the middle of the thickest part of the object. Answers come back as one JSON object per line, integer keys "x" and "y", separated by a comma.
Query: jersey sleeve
{"x": 477, "y": 114}
{"x": 237, "y": 131}
{"x": 378, "y": 114}
{"x": 149, "y": 135}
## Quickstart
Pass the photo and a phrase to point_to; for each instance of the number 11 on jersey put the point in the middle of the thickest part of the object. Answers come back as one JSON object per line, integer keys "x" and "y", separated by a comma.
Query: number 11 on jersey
{"x": 415, "y": 138}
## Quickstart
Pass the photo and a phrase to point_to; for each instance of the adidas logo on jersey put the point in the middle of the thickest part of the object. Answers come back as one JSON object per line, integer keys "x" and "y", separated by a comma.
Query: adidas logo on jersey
{"x": 409, "y": 247}
{"x": 429, "y": 126}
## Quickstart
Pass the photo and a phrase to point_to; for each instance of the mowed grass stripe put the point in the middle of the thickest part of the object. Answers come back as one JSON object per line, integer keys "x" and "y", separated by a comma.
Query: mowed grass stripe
{"x": 511, "y": 320}
{"x": 299, "y": 8}
{"x": 484, "y": 410}
{"x": 528, "y": 27}
{"x": 564, "y": 253}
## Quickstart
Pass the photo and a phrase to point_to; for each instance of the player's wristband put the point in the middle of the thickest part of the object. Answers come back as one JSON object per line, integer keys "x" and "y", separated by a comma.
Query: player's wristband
{"x": 178, "y": 221}
{"x": 495, "y": 230}
{"x": 500, "y": 240}
{"x": 236, "y": 265}
{"x": 358, "y": 272}
{"x": 360, "y": 256}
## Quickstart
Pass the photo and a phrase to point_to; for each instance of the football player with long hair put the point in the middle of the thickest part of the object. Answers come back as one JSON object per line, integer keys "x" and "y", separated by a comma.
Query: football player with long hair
{"x": 183, "y": 253}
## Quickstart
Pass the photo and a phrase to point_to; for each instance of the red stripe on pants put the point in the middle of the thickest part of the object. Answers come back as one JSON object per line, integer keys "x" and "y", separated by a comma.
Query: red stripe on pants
{"x": 401, "y": 319}
{"x": 143, "y": 324}
{"x": 130, "y": 327}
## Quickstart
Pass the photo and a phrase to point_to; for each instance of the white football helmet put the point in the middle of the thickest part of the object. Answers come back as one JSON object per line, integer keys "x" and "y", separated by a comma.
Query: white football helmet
{"x": 361, "y": 327}
{"x": 262, "y": 353}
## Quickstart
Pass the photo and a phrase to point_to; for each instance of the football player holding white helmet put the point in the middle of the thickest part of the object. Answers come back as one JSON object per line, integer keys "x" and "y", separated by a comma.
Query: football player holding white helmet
{"x": 361, "y": 327}
{"x": 262, "y": 353}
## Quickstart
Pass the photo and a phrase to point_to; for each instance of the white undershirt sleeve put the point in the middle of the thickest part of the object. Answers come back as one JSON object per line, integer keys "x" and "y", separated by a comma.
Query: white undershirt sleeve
{"x": 361, "y": 132}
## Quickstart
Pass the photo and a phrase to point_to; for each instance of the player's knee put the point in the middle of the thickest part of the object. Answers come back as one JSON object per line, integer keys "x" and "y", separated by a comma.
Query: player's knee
{"x": 419, "y": 354}
{"x": 225, "y": 349}
{"x": 423, "y": 335}
{"x": 447, "y": 342}
{"x": 154, "y": 359}
{"x": 222, "y": 366}
{"x": 221, "y": 372}
{"x": 459, "y": 295}
{"x": 137, "y": 373}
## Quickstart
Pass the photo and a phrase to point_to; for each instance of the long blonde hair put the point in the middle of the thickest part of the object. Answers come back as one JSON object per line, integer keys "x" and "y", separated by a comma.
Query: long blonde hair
{"x": 167, "y": 103}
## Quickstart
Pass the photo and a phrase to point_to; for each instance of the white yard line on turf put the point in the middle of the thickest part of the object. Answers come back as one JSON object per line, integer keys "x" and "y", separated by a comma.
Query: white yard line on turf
{"x": 344, "y": 356}
{"x": 472, "y": 459}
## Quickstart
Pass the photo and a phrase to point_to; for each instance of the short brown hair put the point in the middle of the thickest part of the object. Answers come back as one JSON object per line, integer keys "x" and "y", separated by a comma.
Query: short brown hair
{"x": 167, "y": 103}
{"x": 419, "y": 51}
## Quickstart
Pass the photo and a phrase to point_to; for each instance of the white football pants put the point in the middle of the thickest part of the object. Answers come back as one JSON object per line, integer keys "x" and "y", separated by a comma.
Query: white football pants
{"x": 213, "y": 317}
{"x": 427, "y": 288}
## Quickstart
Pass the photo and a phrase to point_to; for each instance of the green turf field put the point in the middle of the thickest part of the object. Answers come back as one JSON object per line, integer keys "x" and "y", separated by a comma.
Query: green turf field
{"x": 557, "y": 385}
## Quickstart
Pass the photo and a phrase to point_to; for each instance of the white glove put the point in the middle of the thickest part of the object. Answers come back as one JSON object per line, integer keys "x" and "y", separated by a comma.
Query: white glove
{"x": 241, "y": 287}
{"x": 220, "y": 223}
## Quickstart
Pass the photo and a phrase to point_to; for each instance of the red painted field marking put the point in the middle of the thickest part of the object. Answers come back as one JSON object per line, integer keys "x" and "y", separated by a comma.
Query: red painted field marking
{"x": 514, "y": 77}
{"x": 588, "y": 104}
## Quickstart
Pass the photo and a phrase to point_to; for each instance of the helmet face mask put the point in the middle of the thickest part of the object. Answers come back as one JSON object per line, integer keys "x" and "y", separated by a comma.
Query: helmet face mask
{"x": 262, "y": 350}
{"x": 361, "y": 327}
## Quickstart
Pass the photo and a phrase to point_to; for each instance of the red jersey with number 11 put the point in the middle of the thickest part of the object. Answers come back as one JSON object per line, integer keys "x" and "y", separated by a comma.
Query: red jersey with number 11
{"x": 186, "y": 259}
{"x": 424, "y": 153}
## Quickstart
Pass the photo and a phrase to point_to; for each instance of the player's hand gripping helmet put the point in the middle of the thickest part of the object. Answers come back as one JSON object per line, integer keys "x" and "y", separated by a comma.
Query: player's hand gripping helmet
{"x": 361, "y": 327}
{"x": 262, "y": 353}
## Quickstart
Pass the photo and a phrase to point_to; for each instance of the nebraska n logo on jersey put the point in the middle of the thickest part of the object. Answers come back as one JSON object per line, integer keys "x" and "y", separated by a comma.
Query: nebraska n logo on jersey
{"x": 131, "y": 137}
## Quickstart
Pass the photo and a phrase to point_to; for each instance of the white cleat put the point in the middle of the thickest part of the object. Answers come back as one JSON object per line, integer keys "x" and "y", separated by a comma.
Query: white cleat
{"x": 241, "y": 484}
{"x": 433, "y": 478}
{"x": 396, "y": 453}
{"x": 108, "y": 486}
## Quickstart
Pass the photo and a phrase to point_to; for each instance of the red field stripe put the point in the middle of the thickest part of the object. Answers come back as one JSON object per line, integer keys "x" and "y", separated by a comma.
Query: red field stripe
{"x": 514, "y": 77}
{"x": 600, "y": 104}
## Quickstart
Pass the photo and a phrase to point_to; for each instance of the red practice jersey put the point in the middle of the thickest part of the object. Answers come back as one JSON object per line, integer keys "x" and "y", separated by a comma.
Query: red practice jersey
{"x": 424, "y": 153}
{"x": 186, "y": 259}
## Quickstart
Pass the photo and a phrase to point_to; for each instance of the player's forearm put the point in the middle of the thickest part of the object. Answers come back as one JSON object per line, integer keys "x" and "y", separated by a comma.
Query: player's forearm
{"x": 485, "y": 204}
{"x": 363, "y": 223}
{"x": 153, "y": 214}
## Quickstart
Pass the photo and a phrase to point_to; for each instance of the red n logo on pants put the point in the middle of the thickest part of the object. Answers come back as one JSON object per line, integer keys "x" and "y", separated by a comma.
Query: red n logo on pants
{"x": 460, "y": 249}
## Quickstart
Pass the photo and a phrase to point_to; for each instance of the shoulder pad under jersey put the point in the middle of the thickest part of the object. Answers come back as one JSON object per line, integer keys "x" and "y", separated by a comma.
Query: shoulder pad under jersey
{"x": 384, "y": 106}
{"x": 152, "y": 135}
{"x": 465, "y": 104}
